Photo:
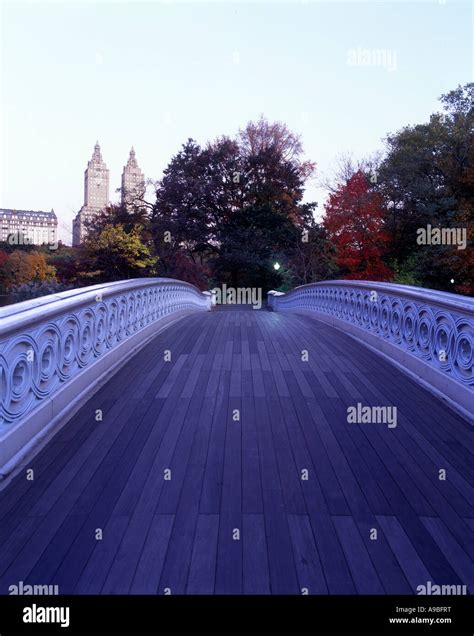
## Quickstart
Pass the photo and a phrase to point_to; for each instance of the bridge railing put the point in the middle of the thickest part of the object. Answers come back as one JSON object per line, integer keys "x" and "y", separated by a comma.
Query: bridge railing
{"x": 54, "y": 350}
{"x": 428, "y": 332}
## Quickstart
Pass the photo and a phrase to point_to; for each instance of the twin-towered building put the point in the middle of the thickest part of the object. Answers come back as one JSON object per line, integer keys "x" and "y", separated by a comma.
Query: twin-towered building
{"x": 96, "y": 190}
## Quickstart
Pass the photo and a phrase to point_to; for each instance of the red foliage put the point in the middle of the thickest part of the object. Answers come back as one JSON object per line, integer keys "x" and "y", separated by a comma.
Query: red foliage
{"x": 3, "y": 258}
{"x": 354, "y": 222}
{"x": 184, "y": 268}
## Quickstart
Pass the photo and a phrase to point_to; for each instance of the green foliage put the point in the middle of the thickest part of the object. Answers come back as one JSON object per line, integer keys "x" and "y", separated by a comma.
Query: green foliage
{"x": 427, "y": 178}
{"x": 405, "y": 275}
{"x": 115, "y": 254}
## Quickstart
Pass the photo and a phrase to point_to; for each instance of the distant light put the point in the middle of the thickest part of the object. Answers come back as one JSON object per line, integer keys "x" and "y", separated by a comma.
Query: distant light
{"x": 277, "y": 266}
{"x": 452, "y": 280}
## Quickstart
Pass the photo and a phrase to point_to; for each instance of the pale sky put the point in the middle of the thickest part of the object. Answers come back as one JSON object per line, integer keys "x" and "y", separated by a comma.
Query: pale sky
{"x": 153, "y": 74}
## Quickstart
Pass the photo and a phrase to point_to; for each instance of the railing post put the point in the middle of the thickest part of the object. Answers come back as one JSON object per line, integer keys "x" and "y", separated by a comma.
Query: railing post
{"x": 272, "y": 299}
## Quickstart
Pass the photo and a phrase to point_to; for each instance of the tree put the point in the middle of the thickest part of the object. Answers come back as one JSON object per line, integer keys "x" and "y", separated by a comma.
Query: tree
{"x": 190, "y": 271}
{"x": 197, "y": 192}
{"x": 67, "y": 263}
{"x": 115, "y": 254}
{"x": 3, "y": 258}
{"x": 258, "y": 137}
{"x": 426, "y": 179}
{"x": 313, "y": 257}
{"x": 354, "y": 222}
{"x": 128, "y": 216}
{"x": 25, "y": 267}
{"x": 251, "y": 239}
{"x": 233, "y": 203}
{"x": 347, "y": 166}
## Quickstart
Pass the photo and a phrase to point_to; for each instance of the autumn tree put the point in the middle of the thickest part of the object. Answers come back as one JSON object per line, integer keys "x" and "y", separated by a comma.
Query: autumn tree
{"x": 233, "y": 204}
{"x": 66, "y": 261}
{"x": 114, "y": 254}
{"x": 355, "y": 224}
{"x": 25, "y": 267}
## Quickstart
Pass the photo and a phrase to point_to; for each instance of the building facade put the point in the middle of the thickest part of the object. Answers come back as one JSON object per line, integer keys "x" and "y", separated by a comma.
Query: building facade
{"x": 96, "y": 190}
{"x": 96, "y": 194}
{"x": 28, "y": 227}
{"x": 133, "y": 182}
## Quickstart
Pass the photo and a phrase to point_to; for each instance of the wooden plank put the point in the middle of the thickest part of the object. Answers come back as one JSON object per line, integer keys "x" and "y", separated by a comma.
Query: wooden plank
{"x": 45, "y": 569}
{"x": 202, "y": 570}
{"x": 102, "y": 558}
{"x": 281, "y": 563}
{"x": 179, "y": 553}
{"x": 167, "y": 385}
{"x": 456, "y": 556}
{"x": 308, "y": 565}
{"x": 414, "y": 568}
{"x": 362, "y": 569}
{"x": 257, "y": 376}
{"x": 229, "y": 553}
{"x": 388, "y": 569}
{"x": 335, "y": 567}
{"x": 252, "y": 500}
{"x": 47, "y": 528}
{"x": 255, "y": 570}
{"x": 290, "y": 476}
{"x": 171, "y": 489}
{"x": 150, "y": 565}
{"x": 122, "y": 569}
{"x": 335, "y": 498}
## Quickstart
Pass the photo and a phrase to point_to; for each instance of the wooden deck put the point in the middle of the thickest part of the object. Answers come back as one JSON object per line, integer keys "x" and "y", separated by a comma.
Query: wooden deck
{"x": 231, "y": 478}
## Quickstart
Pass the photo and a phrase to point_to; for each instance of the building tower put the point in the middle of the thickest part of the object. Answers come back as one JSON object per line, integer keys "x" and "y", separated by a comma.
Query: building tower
{"x": 133, "y": 182}
{"x": 96, "y": 194}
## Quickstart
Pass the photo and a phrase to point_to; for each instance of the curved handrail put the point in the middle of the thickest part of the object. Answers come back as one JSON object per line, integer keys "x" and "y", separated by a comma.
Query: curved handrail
{"x": 434, "y": 327}
{"x": 431, "y": 296}
{"x": 46, "y": 342}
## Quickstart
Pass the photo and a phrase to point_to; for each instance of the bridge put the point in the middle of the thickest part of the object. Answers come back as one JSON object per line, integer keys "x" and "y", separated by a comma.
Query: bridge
{"x": 153, "y": 443}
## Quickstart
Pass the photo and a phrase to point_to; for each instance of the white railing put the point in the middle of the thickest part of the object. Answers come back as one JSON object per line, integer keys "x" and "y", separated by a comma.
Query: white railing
{"x": 61, "y": 343}
{"x": 431, "y": 327}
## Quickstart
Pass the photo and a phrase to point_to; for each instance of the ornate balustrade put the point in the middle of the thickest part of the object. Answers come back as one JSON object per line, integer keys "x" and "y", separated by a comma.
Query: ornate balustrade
{"x": 428, "y": 332}
{"x": 54, "y": 349}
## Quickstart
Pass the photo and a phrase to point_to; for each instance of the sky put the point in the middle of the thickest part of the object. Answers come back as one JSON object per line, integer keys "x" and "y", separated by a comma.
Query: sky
{"x": 343, "y": 75}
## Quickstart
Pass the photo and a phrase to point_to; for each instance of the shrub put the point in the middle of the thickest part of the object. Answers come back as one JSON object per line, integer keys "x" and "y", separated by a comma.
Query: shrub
{"x": 26, "y": 291}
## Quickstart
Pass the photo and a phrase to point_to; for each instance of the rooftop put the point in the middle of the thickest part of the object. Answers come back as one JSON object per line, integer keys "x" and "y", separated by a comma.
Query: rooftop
{"x": 8, "y": 212}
